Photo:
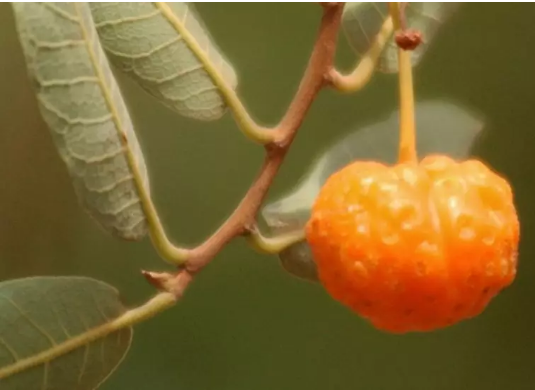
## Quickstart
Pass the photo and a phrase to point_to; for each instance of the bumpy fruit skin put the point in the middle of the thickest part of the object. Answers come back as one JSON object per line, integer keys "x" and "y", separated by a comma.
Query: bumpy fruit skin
{"x": 415, "y": 247}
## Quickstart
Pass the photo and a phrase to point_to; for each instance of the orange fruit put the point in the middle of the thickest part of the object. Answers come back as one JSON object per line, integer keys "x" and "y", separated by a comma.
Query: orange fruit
{"x": 415, "y": 247}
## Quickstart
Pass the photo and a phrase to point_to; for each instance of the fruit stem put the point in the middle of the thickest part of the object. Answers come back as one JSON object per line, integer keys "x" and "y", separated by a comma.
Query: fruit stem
{"x": 407, "y": 136}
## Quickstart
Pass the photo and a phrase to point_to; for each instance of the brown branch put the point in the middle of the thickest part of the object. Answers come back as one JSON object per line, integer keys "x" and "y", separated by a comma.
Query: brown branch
{"x": 243, "y": 219}
{"x": 244, "y": 216}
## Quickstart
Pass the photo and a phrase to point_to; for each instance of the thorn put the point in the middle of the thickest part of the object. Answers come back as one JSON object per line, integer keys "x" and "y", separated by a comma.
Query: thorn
{"x": 172, "y": 283}
{"x": 160, "y": 280}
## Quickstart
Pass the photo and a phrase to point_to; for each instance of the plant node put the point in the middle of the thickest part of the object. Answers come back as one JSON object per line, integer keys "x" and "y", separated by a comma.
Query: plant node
{"x": 409, "y": 39}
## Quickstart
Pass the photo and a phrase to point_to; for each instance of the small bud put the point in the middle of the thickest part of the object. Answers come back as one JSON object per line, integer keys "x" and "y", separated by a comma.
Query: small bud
{"x": 409, "y": 39}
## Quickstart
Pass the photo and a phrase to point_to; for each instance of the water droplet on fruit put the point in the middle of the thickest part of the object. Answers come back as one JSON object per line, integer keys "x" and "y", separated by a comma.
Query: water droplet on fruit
{"x": 360, "y": 269}
{"x": 426, "y": 248}
{"x": 467, "y": 234}
{"x": 454, "y": 202}
{"x": 497, "y": 218}
{"x": 435, "y": 163}
{"x": 390, "y": 239}
{"x": 365, "y": 184}
{"x": 489, "y": 269}
{"x": 389, "y": 188}
{"x": 488, "y": 240}
{"x": 504, "y": 262}
{"x": 450, "y": 184}
{"x": 409, "y": 176}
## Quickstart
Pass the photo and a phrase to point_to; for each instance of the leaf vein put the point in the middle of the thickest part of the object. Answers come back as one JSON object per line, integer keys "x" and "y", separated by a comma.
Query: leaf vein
{"x": 163, "y": 80}
{"x": 61, "y": 13}
{"x": 96, "y": 158}
{"x": 45, "y": 376}
{"x": 56, "y": 45}
{"x": 14, "y": 355}
{"x": 29, "y": 319}
{"x": 71, "y": 121}
{"x": 146, "y": 54}
{"x": 128, "y": 19}
{"x": 194, "y": 94}
{"x": 67, "y": 82}
{"x": 84, "y": 362}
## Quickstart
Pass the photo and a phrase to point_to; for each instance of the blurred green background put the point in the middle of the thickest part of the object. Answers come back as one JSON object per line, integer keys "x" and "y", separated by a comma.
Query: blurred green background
{"x": 244, "y": 323}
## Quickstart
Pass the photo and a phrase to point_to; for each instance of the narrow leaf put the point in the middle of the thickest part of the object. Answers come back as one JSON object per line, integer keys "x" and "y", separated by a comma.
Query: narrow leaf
{"x": 80, "y": 101}
{"x": 362, "y": 21}
{"x": 441, "y": 128}
{"x": 40, "y": 315}
{"x": 168, "y": 51}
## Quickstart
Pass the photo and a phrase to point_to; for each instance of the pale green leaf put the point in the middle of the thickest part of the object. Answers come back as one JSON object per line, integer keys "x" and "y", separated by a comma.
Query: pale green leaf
{"x": 168, "y": 51}
{"x": 441, "y": 128}
{"x": 362, "y": 21}
{"x": 80, "y": 101}
{"x": 39, "y": 315}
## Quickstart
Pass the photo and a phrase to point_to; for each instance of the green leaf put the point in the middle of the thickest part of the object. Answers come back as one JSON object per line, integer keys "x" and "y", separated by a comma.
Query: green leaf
{"x": 441, "y": 128}
{"x": 40, "y": 316}
{"x": 362, "y": 21}
{"x": 297, "y": 260}
{"x": 80, "y": 101}
{"x": 168, "y": 51}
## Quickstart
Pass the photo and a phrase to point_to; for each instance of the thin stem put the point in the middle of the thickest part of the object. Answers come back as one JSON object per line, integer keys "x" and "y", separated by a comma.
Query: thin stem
{"x": 407, "y": 136}
{"x": 247, "y": 124}
{"x": 363, "y": 72}
{"x": 395, "y": 13}
{"x": 274, "y": 245}
{"x": 166, "y": 249}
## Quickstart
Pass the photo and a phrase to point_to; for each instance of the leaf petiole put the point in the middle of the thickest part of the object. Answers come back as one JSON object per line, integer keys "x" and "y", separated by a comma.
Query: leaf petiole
{"x": 274, "y": 245}
{"x": 246, "y": 124}
{"x": 365, "y": 68}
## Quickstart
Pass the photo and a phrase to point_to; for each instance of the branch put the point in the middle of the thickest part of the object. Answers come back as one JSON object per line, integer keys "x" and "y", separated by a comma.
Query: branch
{"x": 243, "y": 218}
{"x": 276, "y": 143}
